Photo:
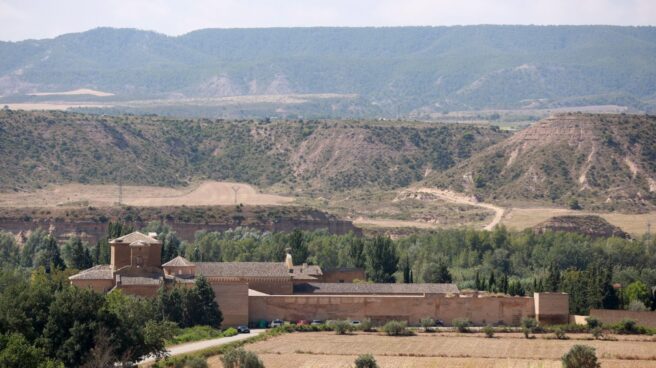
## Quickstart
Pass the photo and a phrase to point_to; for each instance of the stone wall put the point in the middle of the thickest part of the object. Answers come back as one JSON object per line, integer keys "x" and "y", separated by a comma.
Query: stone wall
{"x": 99, "y": 286}
{"x": 233, "y": 302}
{"x": 609, "y": 316}
{"x": 480, "y": 310}
{"x": 267, "y": 285}
{"x": 148, "y": 291}
{"x": 552, "y": 308}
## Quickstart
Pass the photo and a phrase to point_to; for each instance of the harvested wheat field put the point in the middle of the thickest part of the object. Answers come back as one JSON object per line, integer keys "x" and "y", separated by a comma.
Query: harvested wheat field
{"x": 209, "y": 193}
{"x": 318, "y": 350}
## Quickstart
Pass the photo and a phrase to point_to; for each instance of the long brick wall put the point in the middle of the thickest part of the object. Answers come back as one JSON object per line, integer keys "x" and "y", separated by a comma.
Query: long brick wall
{"x": 480, "y": 310}
{"x": 609, "y": 316}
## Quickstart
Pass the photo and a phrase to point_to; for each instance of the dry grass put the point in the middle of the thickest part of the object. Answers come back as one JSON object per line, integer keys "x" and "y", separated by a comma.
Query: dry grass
{"x": 508, "y": 350}
{"x": 201, "y": 194}
{"x": 521, "y": 218}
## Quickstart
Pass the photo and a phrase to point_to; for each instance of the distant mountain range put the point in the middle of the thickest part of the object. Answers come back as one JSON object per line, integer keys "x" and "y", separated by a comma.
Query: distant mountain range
{"x": 371, "y": 71}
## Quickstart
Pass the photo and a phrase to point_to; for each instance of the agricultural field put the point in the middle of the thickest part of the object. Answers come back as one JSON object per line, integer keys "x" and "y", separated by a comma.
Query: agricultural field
{"x": 319, "y": 350}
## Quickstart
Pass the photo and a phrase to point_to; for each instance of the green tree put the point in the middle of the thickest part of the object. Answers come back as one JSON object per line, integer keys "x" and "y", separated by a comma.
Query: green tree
{"x": 17, "y": 352}
{"x": 637, "y": 290}
{"x": 381, "y": 259}
{"x": 299, "y": 248}
{"x": 76, "y": 254}
{"x": 9, "y": 252}
{"x": 209, "y": 312}
{"x": 49, "y": 257}
{"x": 437, "y": 273}
{"x": 37, "y": 240}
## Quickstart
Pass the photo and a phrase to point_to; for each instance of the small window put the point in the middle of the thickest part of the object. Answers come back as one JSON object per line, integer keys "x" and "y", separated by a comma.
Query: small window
{"x": 179, "y": 272}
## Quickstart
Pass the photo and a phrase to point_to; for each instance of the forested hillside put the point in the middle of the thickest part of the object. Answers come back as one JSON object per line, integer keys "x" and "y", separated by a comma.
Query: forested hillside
{"x": 597, "y": 161}
{"x": 391, "y": 70}
{"x": 42, "y": 148}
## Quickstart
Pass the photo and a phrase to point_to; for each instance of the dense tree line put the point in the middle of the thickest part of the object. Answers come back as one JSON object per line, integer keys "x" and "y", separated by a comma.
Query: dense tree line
{"x": 609, "y": 272}
{"x": 47, "y": 323}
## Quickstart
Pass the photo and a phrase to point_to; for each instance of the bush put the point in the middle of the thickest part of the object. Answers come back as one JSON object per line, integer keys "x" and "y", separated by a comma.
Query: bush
{"x": 230, "y": 332}
{"x": 196, "y": 362}
{"x": 462, "y": 324}
{"x": 593, "y": 323}
{"x": 341, "y": 327}
{"x": 580, "y": 356}
{"x": 637, "y": 306}
{"x": 489, "y": 331}
{"x": 366, "y": 325}
{"x": 560, "y": 334}
{"x": 365, "y": 361}
{"x": 628, "y": 326}
{"x": 597, "y": 333}
{"x": 529, "y": 326}
{"x": 195, "y": 333}
{"x": 427, "y": 323}
{"x": 396, "y": 328}
{"x": 240, "y": 358}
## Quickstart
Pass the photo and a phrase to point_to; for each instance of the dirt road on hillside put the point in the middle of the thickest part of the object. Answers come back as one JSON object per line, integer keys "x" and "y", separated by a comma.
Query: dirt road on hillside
{"x": 454, "y": 197}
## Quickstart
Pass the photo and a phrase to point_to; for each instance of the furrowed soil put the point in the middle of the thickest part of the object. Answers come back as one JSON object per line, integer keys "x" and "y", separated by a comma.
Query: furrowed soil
{"x": 318, "y": 350}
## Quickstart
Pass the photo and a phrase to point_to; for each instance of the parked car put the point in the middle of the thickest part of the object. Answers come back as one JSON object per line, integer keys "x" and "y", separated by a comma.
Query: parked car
{"x": 439, "y": 323}
{"x": 243, "y": 329}
{"x": 355, "y": 323}
{"x": 277, "y": 323}
{"x": 316, "y": 322}
{"x": 302, "y": 323}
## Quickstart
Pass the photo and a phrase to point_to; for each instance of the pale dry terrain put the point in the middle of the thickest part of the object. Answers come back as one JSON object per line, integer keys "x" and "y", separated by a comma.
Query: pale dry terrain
{"x": 521, "y": 218}
{"x": 318, "y": 350}
{"x": 75, "y": 92}
{"x": 201, "y": 194}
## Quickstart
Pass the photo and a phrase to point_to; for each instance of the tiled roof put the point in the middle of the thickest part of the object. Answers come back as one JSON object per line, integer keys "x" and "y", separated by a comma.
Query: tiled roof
{"x": 178, "y": 262}
{"x": 242, "y": 269}
{"x": 99, "y": 272}
{"x": 135, "y": 237}
{"x": 138, "y": 280}
{"x": 362, "y": 288}
{"x": 312, "y": 270}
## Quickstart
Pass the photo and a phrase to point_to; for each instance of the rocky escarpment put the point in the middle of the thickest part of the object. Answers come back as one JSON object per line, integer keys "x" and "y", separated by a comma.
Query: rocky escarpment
{"x": 592, "y": 226}
{"x": 91, "y": 223}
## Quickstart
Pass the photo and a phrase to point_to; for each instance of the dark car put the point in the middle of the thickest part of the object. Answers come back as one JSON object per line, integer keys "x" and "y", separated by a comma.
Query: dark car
{"x": 316, "y": 322}
{"x": 243, "y": 329}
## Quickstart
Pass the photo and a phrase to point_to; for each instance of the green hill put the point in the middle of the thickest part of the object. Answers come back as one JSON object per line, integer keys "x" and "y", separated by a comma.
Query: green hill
{"x": 402, "y": 70}
{"x": 605, "y": 162}
{"x": 40, "y": 148}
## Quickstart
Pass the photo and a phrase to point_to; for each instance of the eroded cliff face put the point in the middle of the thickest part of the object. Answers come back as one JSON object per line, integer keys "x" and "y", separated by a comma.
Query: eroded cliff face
{"x": 91, "y": 223}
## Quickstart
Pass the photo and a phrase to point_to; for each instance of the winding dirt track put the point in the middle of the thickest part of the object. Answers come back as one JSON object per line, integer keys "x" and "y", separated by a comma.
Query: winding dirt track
{"x": 455, "y": 197}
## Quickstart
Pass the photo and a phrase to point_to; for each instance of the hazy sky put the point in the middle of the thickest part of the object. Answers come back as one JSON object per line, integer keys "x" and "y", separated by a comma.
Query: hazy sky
{"x": 22, "y": 19}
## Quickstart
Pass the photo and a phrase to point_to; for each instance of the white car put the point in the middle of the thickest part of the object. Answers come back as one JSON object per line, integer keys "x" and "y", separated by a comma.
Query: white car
{"x": 277, "y": 323}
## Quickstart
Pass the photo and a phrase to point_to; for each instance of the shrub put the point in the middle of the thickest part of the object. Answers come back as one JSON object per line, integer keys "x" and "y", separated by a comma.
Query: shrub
{"x": 230, "y": 332}
{"x": 560, "y": 334}
{"x": 489, "y": 331}
{"x": 196, "y": 362}
{"x": 637, "y": 306}
{"x": 366, "y": 325}
{"x": 462, "y": 324}
{"x": 240, "y": 358}
{"x": 195, "y": 333}
{"x": 528, "y": 326}
{"x": 628, "y": 326}
{"x": 365, "y": 361}
{"x": 597, "y": 333}
{"x": 341, "y": 327}
{"x": 427, "y": 323}
{"x": 593, "y": 323}
{"x": 396, "y": 328}
{"x": 580, "y": 356}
